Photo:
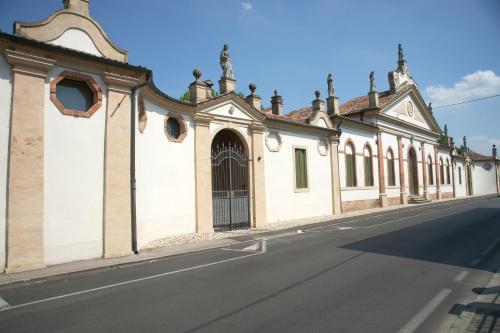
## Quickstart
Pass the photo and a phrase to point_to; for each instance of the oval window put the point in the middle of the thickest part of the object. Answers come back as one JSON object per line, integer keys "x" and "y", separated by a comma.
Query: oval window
{"x": 173, "y": 128}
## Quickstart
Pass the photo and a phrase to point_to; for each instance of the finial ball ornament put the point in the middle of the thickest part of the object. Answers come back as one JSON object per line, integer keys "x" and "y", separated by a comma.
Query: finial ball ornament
{"x": 317, "y": 93}
{"x": 197, "y": 73}
{"x": 252, "y": 87}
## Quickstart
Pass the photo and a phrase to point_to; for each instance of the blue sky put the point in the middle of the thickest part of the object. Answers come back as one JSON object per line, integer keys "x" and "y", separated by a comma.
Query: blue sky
{"x": 452, "y": 48}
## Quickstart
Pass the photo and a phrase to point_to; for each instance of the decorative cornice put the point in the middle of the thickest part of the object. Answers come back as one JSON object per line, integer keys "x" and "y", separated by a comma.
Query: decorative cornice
{"x": 120, "y": 83}
{"x": 28, "y": 64}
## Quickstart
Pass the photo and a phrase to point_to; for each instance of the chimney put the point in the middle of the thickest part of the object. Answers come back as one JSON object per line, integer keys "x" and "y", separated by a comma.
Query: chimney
{"x": 253, "y": 99}
{"x": 277, "y": 104}
{"x": 318, "y": 104}
{"x": 198, "y": 88}
{"x": 372, "y": 94}
{"x": 494, "y": 151}
{"x": 332, "y": 102}
{"x": 77, "y": 6}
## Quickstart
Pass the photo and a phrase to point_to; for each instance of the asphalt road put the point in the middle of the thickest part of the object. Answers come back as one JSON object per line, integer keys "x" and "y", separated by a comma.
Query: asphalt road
{"x": 406, "y": 270}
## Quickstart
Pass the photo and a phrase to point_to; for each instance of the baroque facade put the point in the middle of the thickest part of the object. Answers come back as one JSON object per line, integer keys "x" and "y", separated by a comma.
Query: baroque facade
{"x": 88, "y": 145}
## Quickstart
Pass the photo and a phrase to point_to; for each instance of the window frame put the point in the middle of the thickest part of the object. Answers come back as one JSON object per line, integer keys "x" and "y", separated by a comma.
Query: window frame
{"x": 391, "y": 168}
{"x": 430, "y": 171}
{"x": 448, "y": 172}
{"x": 306, "y": 169}
{"x": 368, "y": 161}
{"x": 353, "y": 177}
{"x": 441, "y": 171}
{"x": 87, "y": 79}
{"x": 182, "y": 126}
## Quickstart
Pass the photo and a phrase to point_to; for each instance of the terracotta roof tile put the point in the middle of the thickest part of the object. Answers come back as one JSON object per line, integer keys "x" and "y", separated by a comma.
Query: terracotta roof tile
{"x": 359, "y": 104}
{"x": 478, "y": 157}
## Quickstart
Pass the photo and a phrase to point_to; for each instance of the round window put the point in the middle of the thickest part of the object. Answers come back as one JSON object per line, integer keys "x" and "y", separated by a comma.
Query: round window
{"x": 487, "y": 166}
{"x": 173, "y": 128}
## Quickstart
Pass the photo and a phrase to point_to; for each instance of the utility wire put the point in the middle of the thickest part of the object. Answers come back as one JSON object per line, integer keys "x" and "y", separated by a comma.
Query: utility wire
{"x": 472, "y": 100}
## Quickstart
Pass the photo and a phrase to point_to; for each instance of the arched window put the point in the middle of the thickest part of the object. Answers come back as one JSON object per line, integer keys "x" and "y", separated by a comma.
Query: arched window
{"x": 448, "y": 172}
{"x": 441, "y": 171}
{"x": 367, "y": 163}
{"x": 391, "y": 177}
{"x": 350, "y": 165}
{"x": 430, "y": 172}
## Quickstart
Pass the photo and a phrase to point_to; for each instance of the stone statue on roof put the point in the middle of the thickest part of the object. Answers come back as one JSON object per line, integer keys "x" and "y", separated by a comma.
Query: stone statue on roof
{"x": 331, "y": 88}
{"x": 225, "y": 63}
{"x": 400, "y": 52}
{"x": 373, "y": 86}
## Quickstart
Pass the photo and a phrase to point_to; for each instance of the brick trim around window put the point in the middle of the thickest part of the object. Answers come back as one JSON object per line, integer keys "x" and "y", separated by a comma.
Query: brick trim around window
{"x": 183, "y": 127}
{"x": 94, "y": 87}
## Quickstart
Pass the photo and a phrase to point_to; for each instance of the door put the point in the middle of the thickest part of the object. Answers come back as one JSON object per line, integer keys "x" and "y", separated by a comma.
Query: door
{"x": 230, "y": 187}
{"x": 413, "y": 172}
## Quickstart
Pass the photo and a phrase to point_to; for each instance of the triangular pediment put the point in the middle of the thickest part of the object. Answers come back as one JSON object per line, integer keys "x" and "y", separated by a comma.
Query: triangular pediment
{"x": 411, "y": 109}
{"x": 320, "y": 119}
{"x": 230, "y": 106}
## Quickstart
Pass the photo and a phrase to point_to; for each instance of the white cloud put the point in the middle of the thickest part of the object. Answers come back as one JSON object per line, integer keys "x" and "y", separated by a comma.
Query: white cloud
{"x": 482, "y": 144}
{"x": 246, "y": 5}
{"x": 476, "y": 85}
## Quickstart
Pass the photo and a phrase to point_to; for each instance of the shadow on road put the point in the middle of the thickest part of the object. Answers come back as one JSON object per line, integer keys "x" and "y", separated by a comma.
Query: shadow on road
{"x": 451, "y": 240}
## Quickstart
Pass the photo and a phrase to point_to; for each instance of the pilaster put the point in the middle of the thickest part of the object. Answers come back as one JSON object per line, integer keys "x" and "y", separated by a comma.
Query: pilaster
{"x": 424, "y": 170}
{"x": 381, "y": 173}
{"x": 203, "y": 175}
{"x": 334, "y": 163}
{"x": 402, "y": 191}
{"x": 25, "y": 192}
{"x": 438, "y": 173}
{"x": 258, "y": 174}
{"x": 117, "y": 190}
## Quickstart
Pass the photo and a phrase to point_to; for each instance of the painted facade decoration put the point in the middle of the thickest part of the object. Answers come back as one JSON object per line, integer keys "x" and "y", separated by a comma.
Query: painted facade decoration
{"x": 126, "y": 164}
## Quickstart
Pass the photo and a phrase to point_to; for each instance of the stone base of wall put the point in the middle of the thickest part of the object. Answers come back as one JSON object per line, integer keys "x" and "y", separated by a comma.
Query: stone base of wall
{"x": 350, "y": 206}
{"x": 432, "y": 196}
{"x": 447, "y": 195}
{"x": 394, "y": 201}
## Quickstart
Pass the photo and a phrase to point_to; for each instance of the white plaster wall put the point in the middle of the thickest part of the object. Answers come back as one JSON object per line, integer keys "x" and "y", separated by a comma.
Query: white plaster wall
{"x": 283, "y": 203}
{"x": 5, "y": 102}
{"x": 460, "y": 189}
{"x": 165, "y": 179}
{"x": 360, "y": 192}
{"x": 445, "y": 155}
{"x": 404, "y": 116}
{"x": 73, "y": 186}
{"x": 429, "y": 151}
{"x": 483, "y": 181}
{"x": 77, "y": 39}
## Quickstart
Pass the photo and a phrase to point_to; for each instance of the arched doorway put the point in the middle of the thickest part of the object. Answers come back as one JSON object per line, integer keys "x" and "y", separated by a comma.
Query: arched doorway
{"x": 412, "y": 172}
{"x": 230, "y": 197}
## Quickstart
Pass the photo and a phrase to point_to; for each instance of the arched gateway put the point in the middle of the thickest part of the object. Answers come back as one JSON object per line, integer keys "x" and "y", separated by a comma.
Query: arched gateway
{"x": 229, "y": 159}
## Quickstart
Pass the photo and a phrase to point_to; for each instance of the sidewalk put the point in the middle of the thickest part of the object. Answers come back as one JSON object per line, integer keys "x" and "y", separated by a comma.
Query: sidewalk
{"x": 183, "y": 244}
{"x": 482, "y": 315}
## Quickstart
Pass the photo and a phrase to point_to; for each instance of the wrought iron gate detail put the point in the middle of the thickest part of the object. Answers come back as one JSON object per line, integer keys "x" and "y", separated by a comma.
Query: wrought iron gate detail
{"x": 229, "y": 187}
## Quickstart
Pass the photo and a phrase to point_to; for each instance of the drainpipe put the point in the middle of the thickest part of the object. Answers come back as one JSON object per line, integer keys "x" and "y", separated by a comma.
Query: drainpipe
{"x": 133, "y": 210}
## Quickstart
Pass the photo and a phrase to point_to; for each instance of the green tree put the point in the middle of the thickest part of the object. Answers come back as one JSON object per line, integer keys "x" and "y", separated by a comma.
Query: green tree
{"x": 186, "y": 97}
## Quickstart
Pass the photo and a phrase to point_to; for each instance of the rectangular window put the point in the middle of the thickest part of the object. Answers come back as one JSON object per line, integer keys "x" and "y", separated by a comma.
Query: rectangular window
{"x": 350, "y": 170}
{"x": 368, "y": 171}
{"x": 300, "y": 168}
{"x": 460, "y": 175}
{"x": 448, "y": 177}
{"x": 391, "y": 175}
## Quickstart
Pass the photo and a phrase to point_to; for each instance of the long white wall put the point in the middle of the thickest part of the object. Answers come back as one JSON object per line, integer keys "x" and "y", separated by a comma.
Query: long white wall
{"x": 460, "y": 180}
{"x": 73, "y": 185}
{"x": 165, "y": 179}
{"x": 484, "y": 178}
{"x": 5, "y": 101}
{"x": 390, "y": 141}
{"x": 282, "y": 201}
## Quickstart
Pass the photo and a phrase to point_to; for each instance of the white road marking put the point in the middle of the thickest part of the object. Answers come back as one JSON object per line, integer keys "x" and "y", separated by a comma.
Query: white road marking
{"x": 3, "y": 304}
{"x": 345, "y": 228}
{"x": 475, "y": 262}
{"x": 264, "y": 249}
{"x": 425, "y": 312}
{"x": 461, "y": 276}
{"x": 253, "y": 247}
{"x": 490, "y": 248}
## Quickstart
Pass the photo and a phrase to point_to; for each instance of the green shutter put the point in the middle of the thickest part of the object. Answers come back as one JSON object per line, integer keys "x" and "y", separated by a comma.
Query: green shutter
{"x": 390, "y": 169}
{"x": 300, "y": 168}
{"x": 350, "y": 171}
{"x": 368, "y": 171}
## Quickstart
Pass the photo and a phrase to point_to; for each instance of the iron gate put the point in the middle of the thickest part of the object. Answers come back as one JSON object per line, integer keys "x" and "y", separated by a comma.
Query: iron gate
{"x": 229, "y": 187}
